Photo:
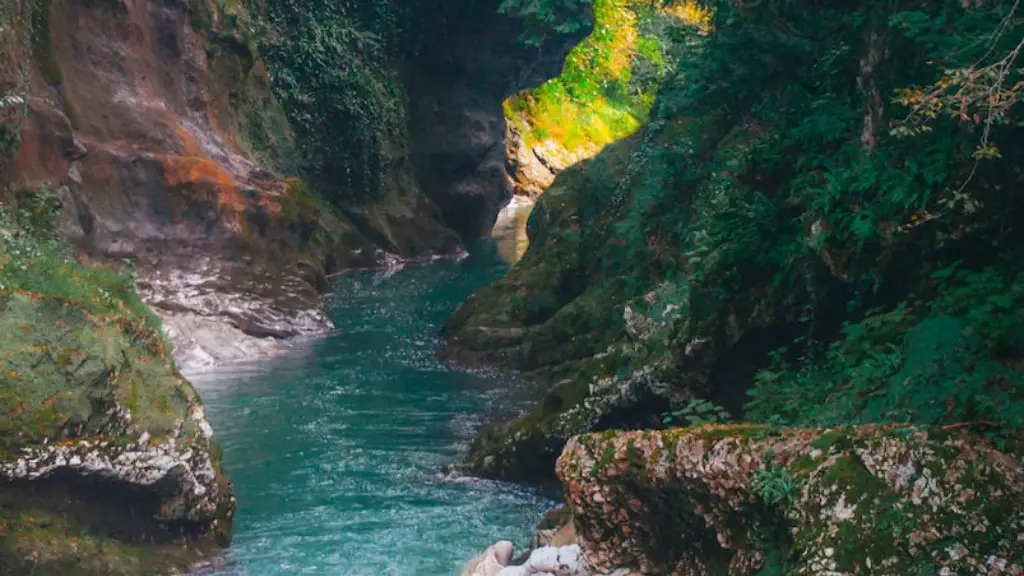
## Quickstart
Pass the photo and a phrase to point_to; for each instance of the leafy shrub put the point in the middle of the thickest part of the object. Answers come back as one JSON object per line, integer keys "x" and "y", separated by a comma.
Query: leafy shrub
{"x": 546, "y": 17}
{"x": 696, "y": 412}
{"x": 330, "y": 71}
{"x": 951, "y": 359}
{"x": 776, "y": 485}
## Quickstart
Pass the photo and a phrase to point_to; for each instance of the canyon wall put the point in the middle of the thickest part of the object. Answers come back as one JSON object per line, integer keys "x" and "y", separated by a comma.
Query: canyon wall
{"x": 160, "y": 122}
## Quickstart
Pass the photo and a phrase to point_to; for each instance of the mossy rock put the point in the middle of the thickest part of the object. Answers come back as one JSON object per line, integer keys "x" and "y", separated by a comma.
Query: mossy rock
{"x": 62, "y": 372}
{"x": 107, "y": 465}
{"x": 745, "y": 500}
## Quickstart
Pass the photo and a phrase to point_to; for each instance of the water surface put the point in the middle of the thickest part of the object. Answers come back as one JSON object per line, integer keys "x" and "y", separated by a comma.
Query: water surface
{"x": 335, "y": 450}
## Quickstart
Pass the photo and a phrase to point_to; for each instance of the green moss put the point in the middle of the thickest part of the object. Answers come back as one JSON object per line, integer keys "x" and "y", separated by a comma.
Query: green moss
{"x": 608, "y": 83}
{"x": 803, "y": 465}
{"x": 838, "y": 438}
{"x": 741, "y": 431}
{"x": 298, "y": 201}
{"x": 43, "y": 51}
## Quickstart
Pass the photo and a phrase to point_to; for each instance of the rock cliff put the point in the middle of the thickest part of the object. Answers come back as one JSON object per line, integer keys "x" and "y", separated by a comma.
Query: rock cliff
{"x": 158, "y": 130}
{"x": 456, "y": 87}
{"x": 160, "y": 121}
{"x": 153, "y": 127}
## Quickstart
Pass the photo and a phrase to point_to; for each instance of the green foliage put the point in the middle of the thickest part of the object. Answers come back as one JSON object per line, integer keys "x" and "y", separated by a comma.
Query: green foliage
{"x": 329, "y": 67}
{"x": 950, "y": 359}
{"x": 34, "y": 260}
{"x": 776, "y": 485}
{"x": 770, "y": 183}
{"x": 696, "y": 412}
{"x": 542, "y": 18}
{"x": 609, "y": 80}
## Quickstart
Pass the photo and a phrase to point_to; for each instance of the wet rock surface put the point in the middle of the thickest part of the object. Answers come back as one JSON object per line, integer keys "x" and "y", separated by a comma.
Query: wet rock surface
{"x": 158, "y": 170}
{"x": 162, "y": 128}
{"x": 533, "y": 167}
{"x": 159, "y": 120}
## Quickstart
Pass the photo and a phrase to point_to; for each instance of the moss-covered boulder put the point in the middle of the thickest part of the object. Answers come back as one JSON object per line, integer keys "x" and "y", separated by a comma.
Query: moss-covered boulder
{"x": 107, "y": 463}
{"x": 745, "y": 500}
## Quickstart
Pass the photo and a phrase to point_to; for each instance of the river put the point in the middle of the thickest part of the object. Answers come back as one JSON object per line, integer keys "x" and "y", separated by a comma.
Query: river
{"x": 335, "y": 450}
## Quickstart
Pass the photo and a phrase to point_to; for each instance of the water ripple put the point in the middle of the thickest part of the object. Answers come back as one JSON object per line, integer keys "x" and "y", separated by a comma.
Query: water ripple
{"x": 336, "y": 450}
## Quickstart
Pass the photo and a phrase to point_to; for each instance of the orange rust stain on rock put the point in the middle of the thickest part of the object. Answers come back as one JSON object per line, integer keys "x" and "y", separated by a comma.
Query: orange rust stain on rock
{"x": 196, "y": 174}
{"x": 188, "y": 143}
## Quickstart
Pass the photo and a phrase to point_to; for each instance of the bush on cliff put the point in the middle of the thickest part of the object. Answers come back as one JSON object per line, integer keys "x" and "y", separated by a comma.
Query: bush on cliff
{"x": 106, "y": 459}
{"x": 335, "y": 68}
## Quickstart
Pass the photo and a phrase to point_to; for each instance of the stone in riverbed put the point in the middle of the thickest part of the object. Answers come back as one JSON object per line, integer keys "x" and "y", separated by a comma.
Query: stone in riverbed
{"x": 544, "y": 561}
{"x": 491, "y": 561}
{"x": 551, "y": 561}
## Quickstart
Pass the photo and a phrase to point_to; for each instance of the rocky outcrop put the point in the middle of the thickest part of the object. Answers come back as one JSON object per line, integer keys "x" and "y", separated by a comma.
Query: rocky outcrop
{"x": 533, "y": 167}
{"x": 490, "y": 561}
{"x": 509, "y": 231}
{"x": 546, "y": 561}
{"x": 747, "y": 500}
{"x": 159, "y": 120}
{"x": 456, "y": 87}
{"x": 107, "y": 462}
{"x": 556, "y": 317}
{"x": 688, "y": 261}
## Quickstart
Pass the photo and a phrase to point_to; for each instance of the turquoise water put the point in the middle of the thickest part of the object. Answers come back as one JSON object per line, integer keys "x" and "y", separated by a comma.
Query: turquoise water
{"x": 335, "y": 451}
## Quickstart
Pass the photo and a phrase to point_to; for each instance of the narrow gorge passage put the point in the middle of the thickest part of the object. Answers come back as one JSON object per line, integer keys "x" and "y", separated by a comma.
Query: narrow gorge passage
{"x": 336, "y": 450}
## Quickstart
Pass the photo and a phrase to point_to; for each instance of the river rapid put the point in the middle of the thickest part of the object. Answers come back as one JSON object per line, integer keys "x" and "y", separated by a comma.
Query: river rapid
{"x": 336, "y": 449}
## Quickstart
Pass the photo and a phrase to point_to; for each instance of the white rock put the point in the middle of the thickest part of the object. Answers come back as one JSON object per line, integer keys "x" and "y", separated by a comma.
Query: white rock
{"x": 491, "y": 561}
{"x": 551, "y": 561}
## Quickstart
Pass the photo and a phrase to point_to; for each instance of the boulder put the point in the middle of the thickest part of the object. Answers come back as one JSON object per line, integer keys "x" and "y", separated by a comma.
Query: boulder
{"x": 745, "y": 500}
{"x": 491, "y": 561}
{"x": 107, "y": 461}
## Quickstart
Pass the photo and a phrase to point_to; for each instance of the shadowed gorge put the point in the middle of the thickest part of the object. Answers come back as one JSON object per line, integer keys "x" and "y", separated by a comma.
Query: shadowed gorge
{"x": 173, "y": 170}
{"x": 511, "y": 287}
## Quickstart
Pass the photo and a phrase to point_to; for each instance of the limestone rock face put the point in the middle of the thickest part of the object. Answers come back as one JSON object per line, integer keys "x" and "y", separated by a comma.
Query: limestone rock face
{"x": 149, "y": 123}
{"x": 744, "y": 500}
{"x": 530, "y": 175}
{"x": 456, "y": 88}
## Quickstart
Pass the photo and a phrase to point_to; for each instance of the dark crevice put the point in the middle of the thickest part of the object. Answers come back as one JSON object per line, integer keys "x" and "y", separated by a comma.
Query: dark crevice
{"x": 732, "y": 375}
{"x": 116, "y": 509}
